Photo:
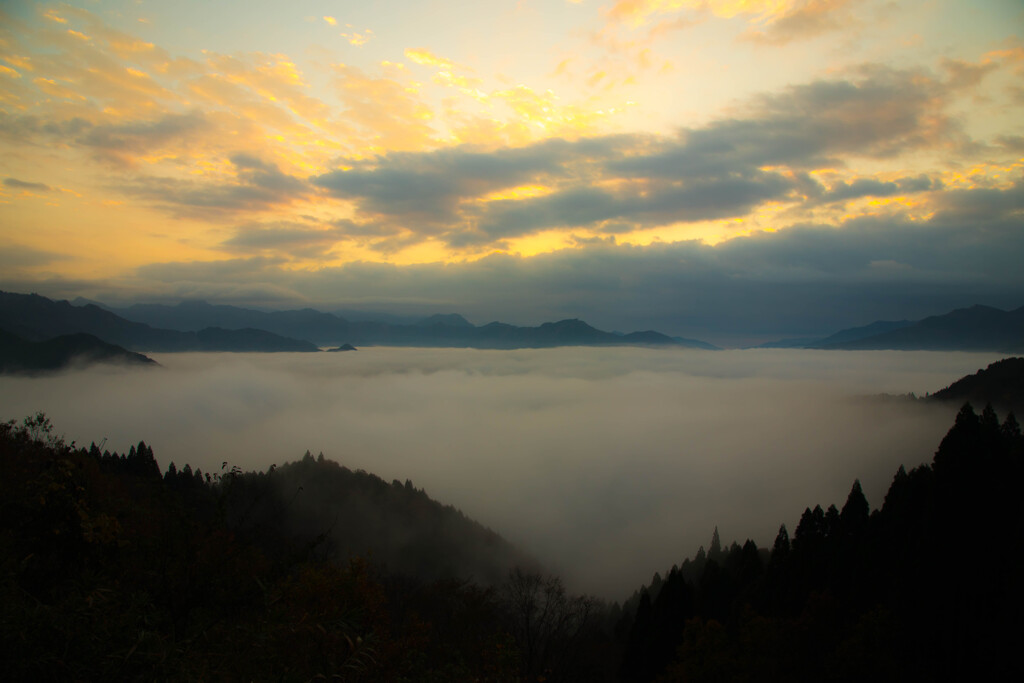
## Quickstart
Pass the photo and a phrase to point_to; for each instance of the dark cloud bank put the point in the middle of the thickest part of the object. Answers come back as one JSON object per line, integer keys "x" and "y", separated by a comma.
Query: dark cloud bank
{"x": 588, "y": 458}
{"x": 803, "y": 281}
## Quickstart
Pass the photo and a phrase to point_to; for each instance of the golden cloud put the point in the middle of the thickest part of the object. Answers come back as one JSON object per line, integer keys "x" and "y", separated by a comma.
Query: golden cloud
{"x": 784, "y": 19}
{"x": 393, "y": 115}
{"x": 427, "y": 58}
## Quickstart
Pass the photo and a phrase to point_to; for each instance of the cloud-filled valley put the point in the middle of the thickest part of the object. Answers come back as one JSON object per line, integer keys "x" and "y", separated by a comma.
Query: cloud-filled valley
{"x": 588, "y": 458}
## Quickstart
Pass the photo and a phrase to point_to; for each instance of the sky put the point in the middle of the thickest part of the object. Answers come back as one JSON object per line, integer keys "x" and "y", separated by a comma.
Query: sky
{"x": 606, "y": 464}
{"x": 722, "y": 169}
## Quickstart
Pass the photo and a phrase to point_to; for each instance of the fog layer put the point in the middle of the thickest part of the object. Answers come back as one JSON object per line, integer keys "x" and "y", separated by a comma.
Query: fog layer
{"x": 607, "y": 464}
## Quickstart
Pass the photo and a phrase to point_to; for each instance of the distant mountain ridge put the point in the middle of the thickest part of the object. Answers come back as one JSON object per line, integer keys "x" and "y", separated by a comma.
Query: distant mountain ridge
{"x": 200, "y": 326}
{"x": 978, "y": 328}
{"x": 439, "y": 330}
{"x": 36, "y": 318}
{"x": 854, "y": 334}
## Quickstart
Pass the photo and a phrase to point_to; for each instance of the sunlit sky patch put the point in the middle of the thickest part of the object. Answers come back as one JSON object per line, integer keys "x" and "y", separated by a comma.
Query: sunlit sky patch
{"x": 284, "y": 144}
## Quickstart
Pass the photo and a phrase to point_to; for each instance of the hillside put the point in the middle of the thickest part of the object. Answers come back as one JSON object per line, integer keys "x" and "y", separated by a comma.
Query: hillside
{"x": 357, "y": 514}
{"x": 978, "y": 328}
{"x": 898, "y": 593}
{"x": 19, "y": 355}
{"x": 1001, "y": 384}
{"x": 36, "y": 318}
{"x": 139, "y": 575}
{"x": 312, "y": 570}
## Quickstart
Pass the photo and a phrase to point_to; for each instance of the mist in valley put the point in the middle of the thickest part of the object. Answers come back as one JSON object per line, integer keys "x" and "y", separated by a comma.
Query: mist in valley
{"x": 605, "y": 463}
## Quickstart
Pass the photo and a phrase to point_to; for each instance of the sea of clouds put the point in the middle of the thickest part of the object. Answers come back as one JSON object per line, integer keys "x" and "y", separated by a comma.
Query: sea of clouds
{"x": 607, "y": 464}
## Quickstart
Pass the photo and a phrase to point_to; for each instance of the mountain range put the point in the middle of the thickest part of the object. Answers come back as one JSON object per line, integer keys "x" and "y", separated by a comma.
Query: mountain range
{"x": 450, "y": 329}
{"x": 977, "y": 328}
{"x": 36, "y": 318}
{"x": 200, "y": 326}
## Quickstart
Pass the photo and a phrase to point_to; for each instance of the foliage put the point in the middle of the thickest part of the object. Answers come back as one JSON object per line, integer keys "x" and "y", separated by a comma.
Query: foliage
{"x": 110, "y": 569}
{"x": 925, "y": 588}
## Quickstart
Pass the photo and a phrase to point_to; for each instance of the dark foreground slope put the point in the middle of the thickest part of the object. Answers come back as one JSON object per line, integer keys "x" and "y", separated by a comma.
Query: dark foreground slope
{"x": 111, "y": 571}
{"x": 21, "y": 356}
{"x": 926, "y": 588}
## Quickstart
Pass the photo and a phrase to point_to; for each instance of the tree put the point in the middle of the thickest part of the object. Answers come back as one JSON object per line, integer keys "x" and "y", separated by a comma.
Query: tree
{"x": 856, "y": 511}
{"x": 780, "y": 550}
{"x": 715, "y": 551}
{"x": 546, "y": 623}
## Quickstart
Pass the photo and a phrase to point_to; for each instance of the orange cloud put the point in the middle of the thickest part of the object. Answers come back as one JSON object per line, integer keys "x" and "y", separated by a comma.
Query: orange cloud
{"x": 358, "y": 39}
{"x": 427, "y": 58}
{"x": 776, "y": 21}
{"x": 52, "y": 15}
{"x": 394, "y": 117}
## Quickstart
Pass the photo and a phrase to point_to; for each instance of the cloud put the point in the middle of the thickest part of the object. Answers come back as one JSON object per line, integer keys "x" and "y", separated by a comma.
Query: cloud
{"x": 428, "y": 186}
{"x": 772, "y": 22}
{"x": 804, "y": 281}
{"x": 298, "y": 239}
{"x": 257, "y": 186}
{"x": 725, "y": 169}
{"x": 804, "y": 20}
{"x": 24, "y": 185}
{"x": 385, "y": 109}
{"x": 876, "y": 113}
{"x": 358, "y": 39}
{"x": 872, "y": 187}
{"x": 601, "y": 454}
{"x": 703, "y": 199}
{"x": 16, "y": 257}
{"x": 425, "y": 57}
{"x": 123, "y": 142}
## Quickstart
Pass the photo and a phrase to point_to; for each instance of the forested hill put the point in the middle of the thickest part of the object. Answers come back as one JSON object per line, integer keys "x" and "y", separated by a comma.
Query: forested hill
{"x": 114, "y": 571}
{"x": 925, "y": 588}
{"x": 347, "y": 513}
{"x": 21, "y": 356}
{"x": 1001, "y": 384}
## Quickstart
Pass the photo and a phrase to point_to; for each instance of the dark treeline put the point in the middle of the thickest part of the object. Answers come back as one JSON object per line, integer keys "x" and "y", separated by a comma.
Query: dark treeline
{"x": 1000, "y": 383}
{"x": 113, "y": 570}
{"x": 928, "y": 587}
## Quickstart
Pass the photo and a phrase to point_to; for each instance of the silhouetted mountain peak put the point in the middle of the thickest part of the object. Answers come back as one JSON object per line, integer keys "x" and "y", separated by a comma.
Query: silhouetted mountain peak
{"x": 570, "y": 324}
